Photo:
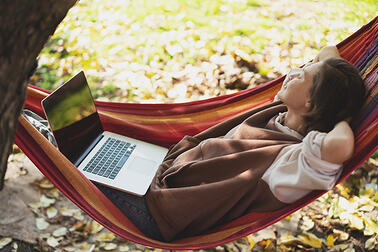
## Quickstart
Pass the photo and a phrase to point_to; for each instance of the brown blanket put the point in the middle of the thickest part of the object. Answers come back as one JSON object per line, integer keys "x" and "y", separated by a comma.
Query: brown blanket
{"x": 215, "y": 177}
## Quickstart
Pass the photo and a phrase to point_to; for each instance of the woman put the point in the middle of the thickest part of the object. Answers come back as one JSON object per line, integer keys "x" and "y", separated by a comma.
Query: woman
{"x": 261, "y": 160}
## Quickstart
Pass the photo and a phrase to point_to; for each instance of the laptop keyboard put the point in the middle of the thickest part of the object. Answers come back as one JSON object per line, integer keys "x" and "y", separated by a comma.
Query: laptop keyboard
{"x": 110, "y": 158}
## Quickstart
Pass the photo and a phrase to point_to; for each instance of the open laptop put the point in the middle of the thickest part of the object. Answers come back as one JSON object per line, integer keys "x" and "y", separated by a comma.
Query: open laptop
{"x": 110, "y": 159}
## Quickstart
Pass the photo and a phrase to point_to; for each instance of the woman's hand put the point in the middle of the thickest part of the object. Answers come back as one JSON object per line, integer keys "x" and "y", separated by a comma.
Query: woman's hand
{"x": 338, "y": 144}
{"x": 326, "y": 53}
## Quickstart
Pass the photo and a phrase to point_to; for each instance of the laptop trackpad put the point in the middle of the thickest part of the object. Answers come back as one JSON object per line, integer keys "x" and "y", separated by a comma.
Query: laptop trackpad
{"x": 143, "y": 166}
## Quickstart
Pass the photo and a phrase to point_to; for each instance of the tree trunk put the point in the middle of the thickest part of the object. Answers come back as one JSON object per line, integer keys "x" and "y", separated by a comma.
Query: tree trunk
{"x": 25, "y": 26}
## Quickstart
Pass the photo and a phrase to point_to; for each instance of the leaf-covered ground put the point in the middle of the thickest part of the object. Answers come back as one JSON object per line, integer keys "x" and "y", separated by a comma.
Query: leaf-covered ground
{"x": 174, "y": 51}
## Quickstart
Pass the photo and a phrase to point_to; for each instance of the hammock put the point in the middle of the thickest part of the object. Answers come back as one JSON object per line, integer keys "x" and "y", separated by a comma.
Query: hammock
{"x": 166, "y": 124}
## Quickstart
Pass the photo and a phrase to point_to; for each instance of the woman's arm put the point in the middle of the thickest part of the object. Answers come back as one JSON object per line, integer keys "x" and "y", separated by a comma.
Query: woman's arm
{"x": 338, "y": 144}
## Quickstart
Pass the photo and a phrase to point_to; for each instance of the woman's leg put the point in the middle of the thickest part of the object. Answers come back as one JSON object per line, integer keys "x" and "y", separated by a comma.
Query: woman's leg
{"x": 135, "y": 209}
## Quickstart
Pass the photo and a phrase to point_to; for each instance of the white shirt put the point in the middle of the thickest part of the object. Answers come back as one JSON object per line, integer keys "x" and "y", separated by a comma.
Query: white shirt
{"x": 298, "y": 168}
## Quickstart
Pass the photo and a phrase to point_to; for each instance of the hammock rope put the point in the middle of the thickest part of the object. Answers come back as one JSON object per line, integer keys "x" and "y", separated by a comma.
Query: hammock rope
{"x": 166, "y": 124}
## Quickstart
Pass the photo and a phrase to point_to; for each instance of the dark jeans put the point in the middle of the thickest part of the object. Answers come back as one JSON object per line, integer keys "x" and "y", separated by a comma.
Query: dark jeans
{"x": 135, "y": 209}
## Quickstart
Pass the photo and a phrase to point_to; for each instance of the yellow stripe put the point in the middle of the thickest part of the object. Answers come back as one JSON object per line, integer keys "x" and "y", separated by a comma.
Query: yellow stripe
{"x": 207, "y": 115}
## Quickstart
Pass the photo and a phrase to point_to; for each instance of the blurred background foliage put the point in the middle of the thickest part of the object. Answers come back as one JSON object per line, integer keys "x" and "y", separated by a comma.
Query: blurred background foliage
{"x": 181, "y": 50}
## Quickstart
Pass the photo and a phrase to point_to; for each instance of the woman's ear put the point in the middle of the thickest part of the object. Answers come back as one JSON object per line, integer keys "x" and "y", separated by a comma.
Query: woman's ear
{"x": 308, "y": 104}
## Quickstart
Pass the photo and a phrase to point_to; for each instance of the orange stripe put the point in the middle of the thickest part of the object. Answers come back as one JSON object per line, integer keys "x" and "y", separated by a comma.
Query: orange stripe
{"x": 206, "y": 115}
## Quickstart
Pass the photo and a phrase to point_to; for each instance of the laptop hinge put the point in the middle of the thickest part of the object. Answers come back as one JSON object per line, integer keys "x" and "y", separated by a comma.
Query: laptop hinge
{"x": 90, "y": 147}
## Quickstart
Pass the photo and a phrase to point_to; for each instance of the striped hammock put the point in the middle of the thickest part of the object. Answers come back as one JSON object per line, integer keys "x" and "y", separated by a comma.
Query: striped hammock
{"x": 166, "y": 124}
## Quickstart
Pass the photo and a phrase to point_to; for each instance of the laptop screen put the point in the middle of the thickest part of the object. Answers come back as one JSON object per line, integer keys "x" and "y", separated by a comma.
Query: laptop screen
{"x": 73, "y": 117}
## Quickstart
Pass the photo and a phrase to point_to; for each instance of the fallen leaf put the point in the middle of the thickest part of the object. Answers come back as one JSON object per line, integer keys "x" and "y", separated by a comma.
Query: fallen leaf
{"x": 110, "y": 246}
{"x": 311, "y": 240}
{"x": 366, "y": 208}
{"x": 5, "y": 241}
{"x": 370, "y": 227}
{"x": 343, "y": 236}
{"x": 41, "y": 223}
{"x": 44, "y": 236}
{"x": 96, "y": 227}
{"x": 341, "y": 246}
{"x": 124, "y": 248}
{"x": 35, "y": 205}
{"x": 46, "y": 202}
{"x": 307, "y": 223}
{"x": 369, "y": 192}
{"x": 330, "y": 241}
{"x": 371, "y": 242}
{"x": 251, "y": 242}
{"x": 287, "y": 239}
{"x": 51, "y": 212}
{"x": 52, "y": 242}
{"x": 354, "y": 221}
{"x": 105, "y": 237}
{"x": 349, "y": 206}
{"x": 45, "y": 183}
{"x": 349, "y": 250}
{"x": 56, "y": 193}
{"x": 70, "y": 249}
{"x": 60, "y": 232}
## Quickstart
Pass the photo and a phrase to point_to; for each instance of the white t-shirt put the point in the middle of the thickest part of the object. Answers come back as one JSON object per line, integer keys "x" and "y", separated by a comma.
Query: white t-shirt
{"x": 298, "y": 168}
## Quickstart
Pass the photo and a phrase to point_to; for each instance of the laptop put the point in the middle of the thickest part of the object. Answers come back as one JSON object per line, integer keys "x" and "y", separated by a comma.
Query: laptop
{"x": 104, "y": 157}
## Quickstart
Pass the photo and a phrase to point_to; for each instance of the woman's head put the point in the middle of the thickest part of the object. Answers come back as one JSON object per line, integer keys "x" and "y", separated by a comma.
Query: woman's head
{"x": 337, "y": 93}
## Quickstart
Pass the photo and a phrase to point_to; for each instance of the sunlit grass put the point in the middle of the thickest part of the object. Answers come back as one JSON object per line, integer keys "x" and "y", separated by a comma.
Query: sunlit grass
{"x": 104, "y": 38}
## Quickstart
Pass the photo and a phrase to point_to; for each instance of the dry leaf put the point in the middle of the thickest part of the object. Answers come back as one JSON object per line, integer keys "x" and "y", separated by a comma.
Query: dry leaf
{"x": 52, "y": 242}
{"x": 354, "y": 221}
{"x": 96, "y": 227}
{"x": 51, "y": 212}
{"x": 343, "y": 236}
{"x": 307, "y": 223}
{"x": 70, "y": 249}
{"x": 287, "y": 238}
{"x": 371, "y": 242}
{"x": 330, "y": 241}
{"x": 110, "y": 246}
{"x": 105, "y": 237}
{"x": 349, "y": 206}
{"x": 87, "y": 227}
{"x": 44, "y": 236}
{"x": 124, "y": 248}
{"x": 370, "y": 227}
{"x": 366, "y": 208}
{"x": 60, "y": 232}
{"x": 349, "y": 250}
{"x": 55, "y": 192}
{"x": 341, "y": 246}
{"x": 46, "y": 202}
{"x": 35, "y": 205}
{"x": 45, "y": 183}
{"x": 251, "y": 242}
{"x": 41, "y": 223}
{"x": 5, "y": 241}
{"x": 76, "y": 213}
{"x": 311, "y": 240}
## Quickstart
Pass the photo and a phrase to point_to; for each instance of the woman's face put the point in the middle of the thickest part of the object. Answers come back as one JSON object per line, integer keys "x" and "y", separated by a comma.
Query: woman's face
{"x": 296, "y": 87}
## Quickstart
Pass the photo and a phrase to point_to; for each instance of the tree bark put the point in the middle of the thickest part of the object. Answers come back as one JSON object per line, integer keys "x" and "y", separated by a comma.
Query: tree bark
{"x": 25, "y": 26}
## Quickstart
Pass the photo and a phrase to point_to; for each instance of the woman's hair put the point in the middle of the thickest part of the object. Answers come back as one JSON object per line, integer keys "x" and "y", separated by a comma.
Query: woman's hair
{"x": 337, "y": 93}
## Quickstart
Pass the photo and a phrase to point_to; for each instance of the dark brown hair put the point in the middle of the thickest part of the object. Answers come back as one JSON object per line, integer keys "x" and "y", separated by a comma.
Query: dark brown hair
{"x": 337, "y": 93}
